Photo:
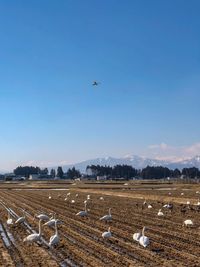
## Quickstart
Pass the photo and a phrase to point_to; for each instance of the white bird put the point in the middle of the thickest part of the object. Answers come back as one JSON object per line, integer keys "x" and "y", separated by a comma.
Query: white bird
{"x": 160, "y": 213}
{"x": 144, "y": 240}
{"x": 68, "y": 194}
{"x": 21, "y": 219}
{"x": 88, "y": 196}
{"x": 136, "y": 236}
{"x": 168, "y": 206}
{"x": 76, "y": 195}
{"x": 52, "y": 221}
{"x": 66, "y": 199}
{"x": 149, "y": 206}
{"x": 85, "y": 202}
{"x": 49, "y": 196}
{"x": 73, "y": 201}
{"x": 107, "y": 234}
{"x": 9, "y": 220}
{"x": 197, "y": 192}
{"x": 182, "y": 194}
{"x": 188, "y": 223}
{"x": 145, "y": 202}
{"x": 42, "y": 217}
{"x": 198, "y": 203}
{"x": 169, "y": 193}
{"x": 188, "y": 202}
{"x": 107, "y": 217}
{"x": 54, "y": 239}
{"x": 83, "y": 213}
{"x": 34, "y": 237}
{"x": 101, "y": 198}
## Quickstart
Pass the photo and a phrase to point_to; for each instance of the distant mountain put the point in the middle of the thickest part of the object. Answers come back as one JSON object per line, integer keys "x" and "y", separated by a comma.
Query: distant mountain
{"x": 135, "y": 161}
{"x": 187, "y": 163}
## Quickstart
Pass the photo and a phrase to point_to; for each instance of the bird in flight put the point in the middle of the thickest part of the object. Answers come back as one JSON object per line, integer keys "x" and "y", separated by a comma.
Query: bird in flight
{"x": 95, "y": 83}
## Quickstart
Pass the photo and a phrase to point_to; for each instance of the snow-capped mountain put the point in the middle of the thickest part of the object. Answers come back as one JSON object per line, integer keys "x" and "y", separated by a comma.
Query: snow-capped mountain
{"x": 137, "y": 162}
{"x": 187, "y": 163}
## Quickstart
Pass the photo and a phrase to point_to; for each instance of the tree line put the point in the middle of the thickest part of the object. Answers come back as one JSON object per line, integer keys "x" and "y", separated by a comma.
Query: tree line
{"x": 26, "y": 171}
{"x": 118, "y": 171}
{"x": 149, "y": 172}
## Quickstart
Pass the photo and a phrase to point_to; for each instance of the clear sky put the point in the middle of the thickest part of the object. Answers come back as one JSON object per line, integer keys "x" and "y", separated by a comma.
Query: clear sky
{"x": 146, "y": 54}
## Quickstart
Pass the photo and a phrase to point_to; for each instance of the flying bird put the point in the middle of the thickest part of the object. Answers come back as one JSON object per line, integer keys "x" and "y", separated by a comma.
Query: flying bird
{"x": 95, "y": 83}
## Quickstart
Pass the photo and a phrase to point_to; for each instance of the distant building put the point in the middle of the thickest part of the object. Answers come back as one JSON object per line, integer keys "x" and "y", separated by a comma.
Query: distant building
{"x": 9, "y": 176}
{"x": 20, "y": 178}
{"x": 33, "y": 177}
{"x": 2, "y": 177}
{"x": 101, "y": 178}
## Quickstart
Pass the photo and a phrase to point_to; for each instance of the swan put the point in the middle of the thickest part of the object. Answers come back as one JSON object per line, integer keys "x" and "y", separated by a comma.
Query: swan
{"x": 107, "y": 234}
{"x": 54, "y": 239}
{"x": 107, "y": 217}
{"x": 144, "y": 240}
{"x": 21, "y": 219}
{"x": 9, "y": 220}
{"x": 188, "y": 223}
{"x": 42, "y": 217}
{"x": 160, "y": 213}
{"x": 52, "y": 221}
{"x": 136, "y": 236}
{"x": 168, "y": 206}
{"x": 83, "y": 212}
{"x": 34, "y": 237}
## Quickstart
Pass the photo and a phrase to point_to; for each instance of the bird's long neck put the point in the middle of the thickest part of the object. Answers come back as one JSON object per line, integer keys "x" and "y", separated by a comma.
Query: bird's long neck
{"x": 56, "y": 227}
{"x": 40, "y": 230}
{"x": 143, "y": 231}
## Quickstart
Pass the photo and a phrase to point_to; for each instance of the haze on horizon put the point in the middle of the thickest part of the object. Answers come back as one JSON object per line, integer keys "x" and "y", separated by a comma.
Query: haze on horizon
{"x": 146, "y": 54}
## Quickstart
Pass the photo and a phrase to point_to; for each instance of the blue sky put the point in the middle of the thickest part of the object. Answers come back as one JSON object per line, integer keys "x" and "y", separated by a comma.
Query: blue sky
{"x": 146, "y": 54}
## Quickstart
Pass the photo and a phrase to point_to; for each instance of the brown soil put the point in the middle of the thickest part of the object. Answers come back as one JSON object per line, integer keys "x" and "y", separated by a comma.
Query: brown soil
{"x": 81, "y": 243}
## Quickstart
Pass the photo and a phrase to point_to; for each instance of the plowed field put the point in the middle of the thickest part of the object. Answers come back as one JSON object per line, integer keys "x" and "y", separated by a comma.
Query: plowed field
{"x": 81, "y": 243}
